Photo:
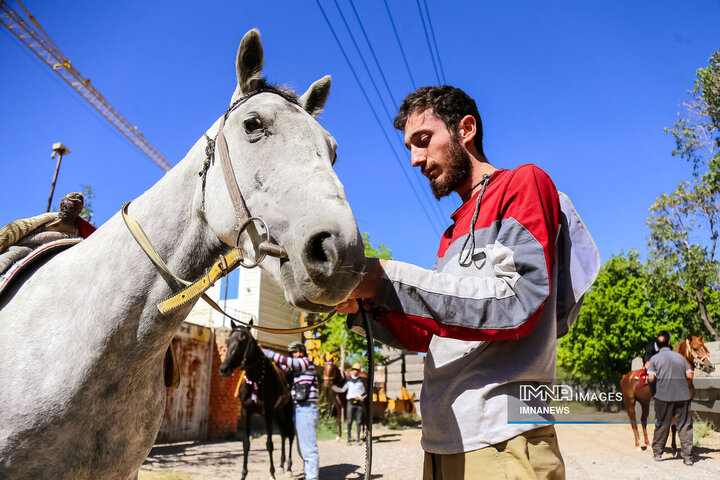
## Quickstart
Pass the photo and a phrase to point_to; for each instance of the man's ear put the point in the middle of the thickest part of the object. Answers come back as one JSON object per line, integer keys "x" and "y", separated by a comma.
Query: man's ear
{"x": 467, "y": 128}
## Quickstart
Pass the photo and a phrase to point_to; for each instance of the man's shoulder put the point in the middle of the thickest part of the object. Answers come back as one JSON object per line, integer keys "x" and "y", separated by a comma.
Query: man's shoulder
{"x": 668, "y": 356}
{"x": 529, "y": 171}
{"x": 524, "y": 176}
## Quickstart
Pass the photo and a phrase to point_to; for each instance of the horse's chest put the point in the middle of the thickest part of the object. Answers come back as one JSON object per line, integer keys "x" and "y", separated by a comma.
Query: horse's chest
{"x": 105, "y": 431}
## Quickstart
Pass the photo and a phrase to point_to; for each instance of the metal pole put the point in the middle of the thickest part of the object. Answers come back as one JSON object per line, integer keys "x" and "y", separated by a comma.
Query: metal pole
{"x": 52, "y": 188}
{"x": 58, "y": 149}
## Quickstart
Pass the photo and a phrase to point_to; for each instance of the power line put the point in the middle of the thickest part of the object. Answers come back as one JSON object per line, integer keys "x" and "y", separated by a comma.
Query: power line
{"x": 372, "y": 109}
{"x": 432, "y": 34}
{"x": 434, "y": 205}
{"x": 402, "y": 51}
{"x": 432, "y": 54}
{"x": 372, "y": 51}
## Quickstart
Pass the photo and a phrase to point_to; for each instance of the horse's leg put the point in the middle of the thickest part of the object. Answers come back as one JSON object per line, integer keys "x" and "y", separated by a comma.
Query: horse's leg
{"x": 282, "y": 449}
{"x": 269, "y": 443}
{"x": 645, "y": 406}
{"x": 246, "y": 443}
{"x": 338, "y": 414}
{"x": 629, "y": 400}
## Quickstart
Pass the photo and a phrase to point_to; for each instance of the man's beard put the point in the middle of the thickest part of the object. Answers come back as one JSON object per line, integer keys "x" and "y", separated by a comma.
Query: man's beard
{"x": 456, "y": 172}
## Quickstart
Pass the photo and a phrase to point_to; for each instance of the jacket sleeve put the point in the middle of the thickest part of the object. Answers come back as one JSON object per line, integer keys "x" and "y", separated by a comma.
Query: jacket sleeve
{"x": 298, "y": 364}
{"x": 500, "y": 296}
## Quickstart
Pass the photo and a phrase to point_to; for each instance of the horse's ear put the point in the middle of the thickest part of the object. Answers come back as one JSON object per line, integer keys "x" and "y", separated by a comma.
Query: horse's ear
{"x": 313, "y": 101}
{"x": 249, "y": 64}
{"x": 702, "y": 337}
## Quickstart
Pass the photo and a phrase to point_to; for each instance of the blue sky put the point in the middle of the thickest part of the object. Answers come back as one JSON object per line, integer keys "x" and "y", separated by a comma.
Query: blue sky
{"x": 581, "y": 89}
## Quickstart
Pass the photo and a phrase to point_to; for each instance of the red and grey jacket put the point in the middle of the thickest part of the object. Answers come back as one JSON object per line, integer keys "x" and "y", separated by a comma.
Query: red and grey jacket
{"x": 489, "y": 312}
{"x": 497, "y": 291}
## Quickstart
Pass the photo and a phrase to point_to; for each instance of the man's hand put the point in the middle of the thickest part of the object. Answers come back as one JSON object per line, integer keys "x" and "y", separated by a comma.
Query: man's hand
{"x": 374, "y": 271}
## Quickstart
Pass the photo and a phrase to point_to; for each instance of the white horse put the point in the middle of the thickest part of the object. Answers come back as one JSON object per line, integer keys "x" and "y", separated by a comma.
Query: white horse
{"x": 82, "y": 342}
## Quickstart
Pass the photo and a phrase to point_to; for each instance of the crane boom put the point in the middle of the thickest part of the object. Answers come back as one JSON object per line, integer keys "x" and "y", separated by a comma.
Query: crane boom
{"x": 24, "y": 26}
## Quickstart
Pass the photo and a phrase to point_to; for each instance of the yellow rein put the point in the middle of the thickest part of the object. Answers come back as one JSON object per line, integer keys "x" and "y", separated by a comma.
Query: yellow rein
{"x": 221, "y": 268}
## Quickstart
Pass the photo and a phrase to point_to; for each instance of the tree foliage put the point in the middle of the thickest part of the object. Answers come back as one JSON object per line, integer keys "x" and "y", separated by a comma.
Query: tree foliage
{"x": 335, "y": 337}
{"x": 88, "y": 195}
{"x": 620, "y": 314}
{"x": 684, "y": 224}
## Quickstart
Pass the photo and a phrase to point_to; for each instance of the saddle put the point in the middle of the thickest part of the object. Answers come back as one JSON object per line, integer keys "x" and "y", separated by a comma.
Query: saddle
{"x": 642, "y": 378}
{"x": 43, "y": 252}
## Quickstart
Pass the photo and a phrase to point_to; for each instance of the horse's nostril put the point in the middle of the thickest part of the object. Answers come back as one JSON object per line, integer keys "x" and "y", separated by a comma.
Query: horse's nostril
{"x": 315, "y": 249}
{"x": 321, "y": 256}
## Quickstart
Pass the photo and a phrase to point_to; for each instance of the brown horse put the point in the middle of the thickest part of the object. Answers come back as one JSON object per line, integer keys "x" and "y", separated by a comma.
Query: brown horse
{"x": 696, "y": 354}
{"x": 271, "y": 400}
{"x": 332, "y": 376}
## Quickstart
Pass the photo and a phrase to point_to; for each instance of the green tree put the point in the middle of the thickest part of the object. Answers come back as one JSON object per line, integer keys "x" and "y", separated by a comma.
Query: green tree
{"x": 88, "y": 195}
{"x": 684, "y": 225}
{"x": 620, "y": 314}
{"x": 336, "y": 338}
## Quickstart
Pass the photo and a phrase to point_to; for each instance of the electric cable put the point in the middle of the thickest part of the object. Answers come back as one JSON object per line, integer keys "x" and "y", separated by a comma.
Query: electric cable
{"x": 374, "y": 112}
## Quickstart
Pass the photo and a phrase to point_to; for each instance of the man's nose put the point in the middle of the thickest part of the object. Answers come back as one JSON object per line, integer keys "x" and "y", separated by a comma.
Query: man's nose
{"x": 417, "y": 156}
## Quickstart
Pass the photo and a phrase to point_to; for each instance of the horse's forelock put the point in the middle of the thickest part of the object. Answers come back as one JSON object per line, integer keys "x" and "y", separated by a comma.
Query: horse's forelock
{"x": 264, "y": 86}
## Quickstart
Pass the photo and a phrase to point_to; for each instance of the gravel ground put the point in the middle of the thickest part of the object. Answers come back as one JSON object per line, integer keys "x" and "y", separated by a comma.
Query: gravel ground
{"x": 591, "y": 452}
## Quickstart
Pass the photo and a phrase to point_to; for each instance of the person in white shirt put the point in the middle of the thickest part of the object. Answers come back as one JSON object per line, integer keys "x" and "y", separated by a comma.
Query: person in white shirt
{"x": 355, "y": 388}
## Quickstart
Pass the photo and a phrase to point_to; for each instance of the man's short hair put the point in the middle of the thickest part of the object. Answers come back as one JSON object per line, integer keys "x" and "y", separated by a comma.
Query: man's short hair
{"x": 448, "y": 103}
{"x": 663, "y": 339}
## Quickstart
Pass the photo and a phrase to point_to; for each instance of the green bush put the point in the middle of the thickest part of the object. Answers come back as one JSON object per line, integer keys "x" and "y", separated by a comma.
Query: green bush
{"x": 327, "y": 428}
{"x": 701, "y": 429}
{"x": 397, "y": 421}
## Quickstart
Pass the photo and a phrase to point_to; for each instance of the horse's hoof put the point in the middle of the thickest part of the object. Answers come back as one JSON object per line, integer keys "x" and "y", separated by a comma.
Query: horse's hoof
{"x": 639, "y": 448}
{"x": 337, "y": 439}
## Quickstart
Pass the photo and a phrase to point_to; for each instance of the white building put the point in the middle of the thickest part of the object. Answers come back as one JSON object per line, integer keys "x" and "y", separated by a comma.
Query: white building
{"x": 250, "y": 294}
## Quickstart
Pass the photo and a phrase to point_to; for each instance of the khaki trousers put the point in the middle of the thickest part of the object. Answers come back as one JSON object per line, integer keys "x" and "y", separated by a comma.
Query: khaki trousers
{"x": 531, "y": 455}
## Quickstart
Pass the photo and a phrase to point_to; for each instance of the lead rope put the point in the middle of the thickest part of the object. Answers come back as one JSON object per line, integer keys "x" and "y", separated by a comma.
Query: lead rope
{"x": 369, "y": 396}
{"x": 464, "y": 262}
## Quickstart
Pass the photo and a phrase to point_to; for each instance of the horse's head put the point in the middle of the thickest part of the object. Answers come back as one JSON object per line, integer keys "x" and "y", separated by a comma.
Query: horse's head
{"x": 331, "y": 373}
{"x": 698, "y": 354}
{"x": 283, "y": 162}
{"x": 241, "y": 348}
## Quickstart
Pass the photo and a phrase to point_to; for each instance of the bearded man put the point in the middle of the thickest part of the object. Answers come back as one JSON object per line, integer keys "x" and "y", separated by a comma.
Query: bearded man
{"x": 486, "y": 312}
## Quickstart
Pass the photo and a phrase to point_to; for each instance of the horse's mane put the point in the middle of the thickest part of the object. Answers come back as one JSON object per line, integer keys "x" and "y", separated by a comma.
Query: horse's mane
{"x": 262, "y": 85}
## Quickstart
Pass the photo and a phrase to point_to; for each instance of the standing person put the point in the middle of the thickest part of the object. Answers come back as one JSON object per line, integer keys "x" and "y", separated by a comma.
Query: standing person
{"x": 651, "y": 348}
{"x": 355, "y": 388}
{"x": 305, "y": 396}
{"x": 670, "y": 371}
{"x": 489, "y": 312}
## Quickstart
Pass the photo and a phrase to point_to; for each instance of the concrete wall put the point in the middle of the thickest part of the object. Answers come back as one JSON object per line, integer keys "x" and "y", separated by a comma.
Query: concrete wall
{"x": 706, "y": 403}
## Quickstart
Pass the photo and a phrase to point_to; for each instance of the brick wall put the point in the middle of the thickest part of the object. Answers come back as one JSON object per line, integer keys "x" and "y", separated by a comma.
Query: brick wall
{"x": 223, "y": 408}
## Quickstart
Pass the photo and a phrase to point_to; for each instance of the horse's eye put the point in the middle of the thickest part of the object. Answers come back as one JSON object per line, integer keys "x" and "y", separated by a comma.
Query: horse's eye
{"x": 252, "y": 124}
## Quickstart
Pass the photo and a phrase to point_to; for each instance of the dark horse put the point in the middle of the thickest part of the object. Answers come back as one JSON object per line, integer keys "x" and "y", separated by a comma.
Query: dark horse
{"x": 698, "y": 358}
{"x": 332, "y": 376}
{"x": 272, "y": 402}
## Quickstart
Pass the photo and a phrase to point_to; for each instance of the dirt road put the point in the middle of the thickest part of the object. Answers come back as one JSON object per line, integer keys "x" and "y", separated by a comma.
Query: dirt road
{"x": 591, "y": 452}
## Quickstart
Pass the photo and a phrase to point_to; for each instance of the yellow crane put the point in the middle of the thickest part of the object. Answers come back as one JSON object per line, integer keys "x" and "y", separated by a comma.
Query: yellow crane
{"x": 24, "y": 26}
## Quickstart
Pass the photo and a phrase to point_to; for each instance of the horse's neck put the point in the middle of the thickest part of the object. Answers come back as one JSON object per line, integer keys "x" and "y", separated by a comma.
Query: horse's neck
{"x": 258, "y": 366}
{"x": 686, "y": 353}
{"x": 170, "y": 216}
